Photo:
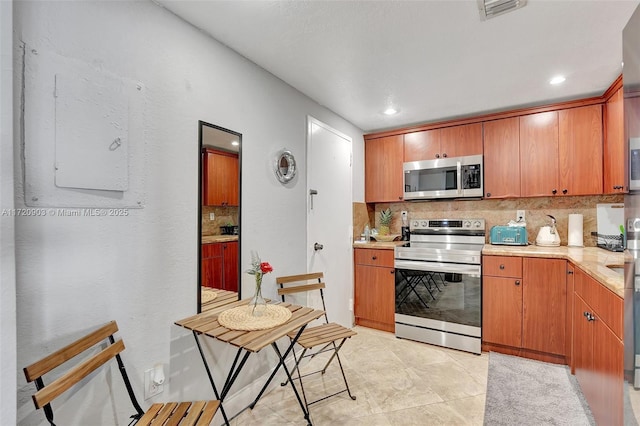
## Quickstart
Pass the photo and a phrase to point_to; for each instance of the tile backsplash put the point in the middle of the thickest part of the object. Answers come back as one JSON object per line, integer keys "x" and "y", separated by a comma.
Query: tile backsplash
{"x": 495, "y": 212}
{"x": 223, "y": 216}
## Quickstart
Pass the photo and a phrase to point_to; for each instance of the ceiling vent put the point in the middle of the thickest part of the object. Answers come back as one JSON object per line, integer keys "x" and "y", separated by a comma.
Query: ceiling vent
{"x": 492, "y": 8}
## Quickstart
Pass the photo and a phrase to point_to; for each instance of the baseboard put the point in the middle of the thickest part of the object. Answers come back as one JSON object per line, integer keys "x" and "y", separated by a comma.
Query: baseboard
{"x": 524, "y": 353}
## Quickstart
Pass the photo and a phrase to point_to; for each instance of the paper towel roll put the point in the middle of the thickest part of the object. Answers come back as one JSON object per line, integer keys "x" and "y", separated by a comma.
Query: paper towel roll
{"x": 575, "y": 231}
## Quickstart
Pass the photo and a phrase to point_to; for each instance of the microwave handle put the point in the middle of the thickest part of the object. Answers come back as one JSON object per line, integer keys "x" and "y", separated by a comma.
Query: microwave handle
{"x": 459, "y": 175}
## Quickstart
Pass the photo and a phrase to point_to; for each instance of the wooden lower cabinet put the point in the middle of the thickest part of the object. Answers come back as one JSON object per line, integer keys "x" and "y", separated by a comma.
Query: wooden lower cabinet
{"x": 524, "y": 306}
{"x": 374, "y": 291}
{"x": 598, "y": 351}
{"x": 219, "y": 266}
{"x": 502, "y": 311}
{"x": 544, "y": 299}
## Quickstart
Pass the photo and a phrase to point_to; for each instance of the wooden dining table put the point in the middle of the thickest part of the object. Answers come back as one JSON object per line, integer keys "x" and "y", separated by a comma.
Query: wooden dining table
{"x": 205, "y": 324}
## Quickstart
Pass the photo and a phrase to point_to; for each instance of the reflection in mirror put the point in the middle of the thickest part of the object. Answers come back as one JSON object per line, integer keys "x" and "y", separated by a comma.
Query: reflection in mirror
{"x": 219, "y": 212}
{"x": 285, "y": 166}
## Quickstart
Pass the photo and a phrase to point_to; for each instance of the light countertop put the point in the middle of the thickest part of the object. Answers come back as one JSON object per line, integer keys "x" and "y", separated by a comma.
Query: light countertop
{"x": 379, "y": 245}
{"x": 592, "y": 260}
{"x": 209, "y": 239}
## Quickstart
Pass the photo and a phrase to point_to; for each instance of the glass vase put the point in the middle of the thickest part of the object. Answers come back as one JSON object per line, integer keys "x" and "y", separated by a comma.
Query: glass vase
{"x": 257, "y": 303}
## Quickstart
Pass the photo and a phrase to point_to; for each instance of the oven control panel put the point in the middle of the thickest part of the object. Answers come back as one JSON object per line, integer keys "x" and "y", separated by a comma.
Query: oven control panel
{"x": 448, "y": 224}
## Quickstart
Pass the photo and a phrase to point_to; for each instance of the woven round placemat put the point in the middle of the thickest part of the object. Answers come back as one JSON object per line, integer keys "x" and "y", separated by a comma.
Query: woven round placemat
{"x": 240, "y": 318}
{"x": 207, "y": 296}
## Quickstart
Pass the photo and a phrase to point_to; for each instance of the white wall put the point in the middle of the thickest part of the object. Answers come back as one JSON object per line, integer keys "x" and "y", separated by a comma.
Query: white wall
{"x": 77, "y": 272}
{"x": 7, "y": 248}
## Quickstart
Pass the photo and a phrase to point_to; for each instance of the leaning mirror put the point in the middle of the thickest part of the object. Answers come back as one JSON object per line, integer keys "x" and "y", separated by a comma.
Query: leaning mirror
{"x": 285, "y": 166}
{"x": 218, "y": 213}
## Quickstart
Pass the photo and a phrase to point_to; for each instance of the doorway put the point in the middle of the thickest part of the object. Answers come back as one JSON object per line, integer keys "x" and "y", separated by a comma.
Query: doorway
{"x": 219, "y": 189}
{"x": 329, "y": 217}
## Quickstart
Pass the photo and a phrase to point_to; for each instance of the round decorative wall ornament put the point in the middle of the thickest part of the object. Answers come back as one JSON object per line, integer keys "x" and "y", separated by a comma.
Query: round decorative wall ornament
{"x": 285, "y": 166}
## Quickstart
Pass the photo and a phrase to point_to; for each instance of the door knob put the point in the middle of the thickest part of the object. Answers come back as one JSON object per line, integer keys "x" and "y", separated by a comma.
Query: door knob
{"x": 317, "y": 246}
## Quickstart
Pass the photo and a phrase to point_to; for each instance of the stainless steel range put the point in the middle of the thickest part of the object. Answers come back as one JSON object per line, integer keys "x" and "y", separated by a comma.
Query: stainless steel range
{"x": 439, "y": 283}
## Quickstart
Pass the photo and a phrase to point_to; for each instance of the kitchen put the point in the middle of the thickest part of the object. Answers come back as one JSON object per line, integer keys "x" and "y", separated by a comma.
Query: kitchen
{"x": 162, "y": 224}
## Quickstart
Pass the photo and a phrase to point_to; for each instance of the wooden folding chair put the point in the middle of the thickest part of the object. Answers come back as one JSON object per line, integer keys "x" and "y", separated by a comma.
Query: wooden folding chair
{"x": 170, "y": 413}
{"x": 329, "y": 336}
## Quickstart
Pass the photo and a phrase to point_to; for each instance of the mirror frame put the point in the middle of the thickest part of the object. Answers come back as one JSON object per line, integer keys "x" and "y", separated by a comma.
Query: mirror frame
{"x": 201, "y": 125}
{"x": 285, "y": 154}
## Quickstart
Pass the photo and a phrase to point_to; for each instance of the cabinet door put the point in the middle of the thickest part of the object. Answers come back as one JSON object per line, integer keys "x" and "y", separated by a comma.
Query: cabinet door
{"x": 211, "y": 272}
{"x": 456, "y": 141}
{"x": 420, "y": 146}
{"x": 608, "y": 361}
{"x": 502, "y": 158}
{"x": 230, "y": 264}
{"x": 384, "y": 178}
{"x": 231, "y": 175}
{"x": 568, "y": 344}
{"x": 583, "y": 348}
{"x": 375, "y": 297}
{"x": 615, "y": 163}
{"x": 539, "y": 154}
{"x": 580, "y": 150}
{"x": 502, "y": 311}
{"x": 544, "y": 301}
{"x": 221, "y": 183}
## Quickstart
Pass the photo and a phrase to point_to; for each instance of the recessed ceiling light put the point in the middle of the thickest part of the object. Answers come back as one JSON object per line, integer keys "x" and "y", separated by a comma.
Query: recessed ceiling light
{"x": 557, "y": 79}
{"x": 391, "y": 111}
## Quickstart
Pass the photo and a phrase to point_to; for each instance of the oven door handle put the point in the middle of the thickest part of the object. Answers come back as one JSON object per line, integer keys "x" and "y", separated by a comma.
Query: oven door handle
{"x": 454, "y": 268}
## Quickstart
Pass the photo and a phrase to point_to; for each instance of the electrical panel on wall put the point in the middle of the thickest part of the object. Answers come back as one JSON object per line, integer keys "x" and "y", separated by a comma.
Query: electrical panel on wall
{"x": 84, "y": 140}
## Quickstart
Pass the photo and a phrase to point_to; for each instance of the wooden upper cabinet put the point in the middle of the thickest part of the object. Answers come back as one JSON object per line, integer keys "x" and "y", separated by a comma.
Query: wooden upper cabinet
{"x": 539, "y": 154}
{"x": 454, "y": 141}
{"x": 420, "y": 146}
{"x": 383, "y": 169}
{"x": 580, "y": 150}
{"x": 615, "y": 158}
{"x": 220, "y": 186}
{"x": 502, "y": 158}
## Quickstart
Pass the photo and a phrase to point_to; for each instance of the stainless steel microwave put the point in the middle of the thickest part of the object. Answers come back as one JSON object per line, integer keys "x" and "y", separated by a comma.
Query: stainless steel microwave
{"x": 453, "y": 177}
{"x": 634, "y": 164}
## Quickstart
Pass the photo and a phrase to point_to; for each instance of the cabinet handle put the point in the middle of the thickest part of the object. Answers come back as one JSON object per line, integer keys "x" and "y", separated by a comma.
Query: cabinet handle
{"x": 554, "y": 192}
{"x": 564, "y": 191}
{"x": 570, "y": 272}
{"x": 393, "y": 271}
{"x": 517, "y": 282}
{"x": 488, "y": 194}
{"x": 501, "y": 266}
{"x": 437, "y": 155}
{"x": 374, "y": 257}
{"x": 444, "y": 155}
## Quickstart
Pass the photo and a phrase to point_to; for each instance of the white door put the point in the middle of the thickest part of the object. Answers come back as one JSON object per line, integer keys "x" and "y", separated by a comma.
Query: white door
{"x": 329, "y": 217}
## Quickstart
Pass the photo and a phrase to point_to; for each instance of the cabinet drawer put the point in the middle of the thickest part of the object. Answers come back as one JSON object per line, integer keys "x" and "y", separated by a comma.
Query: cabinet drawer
{"x": 374, "y": 257}
{"x": 211, "y": 250}
{"x": 502, "y": 266}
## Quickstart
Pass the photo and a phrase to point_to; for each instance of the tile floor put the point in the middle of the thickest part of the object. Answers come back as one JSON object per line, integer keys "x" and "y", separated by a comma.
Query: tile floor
{"x": 396, "y": 382}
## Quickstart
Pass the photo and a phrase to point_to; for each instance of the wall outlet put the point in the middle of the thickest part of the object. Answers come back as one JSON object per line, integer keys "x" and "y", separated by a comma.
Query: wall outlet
{"x": 151, "y": 388}
{"x": 520, "y": 215}
{"x": 212, "y": 216}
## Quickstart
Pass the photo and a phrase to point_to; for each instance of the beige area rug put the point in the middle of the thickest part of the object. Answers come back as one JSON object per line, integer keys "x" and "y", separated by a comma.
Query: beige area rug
{"x": 521, "y": 391}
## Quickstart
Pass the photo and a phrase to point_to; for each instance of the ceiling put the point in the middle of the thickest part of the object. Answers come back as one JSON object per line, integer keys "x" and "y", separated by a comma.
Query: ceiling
{"x": 433, "y": 60}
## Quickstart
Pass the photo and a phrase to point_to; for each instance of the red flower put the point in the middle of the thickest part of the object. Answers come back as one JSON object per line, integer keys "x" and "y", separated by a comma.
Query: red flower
{"x": 265, "y": 267}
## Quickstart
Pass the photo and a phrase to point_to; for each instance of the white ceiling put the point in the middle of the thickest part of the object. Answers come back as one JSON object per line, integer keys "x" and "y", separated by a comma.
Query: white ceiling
{"x": 433, "y": 59}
